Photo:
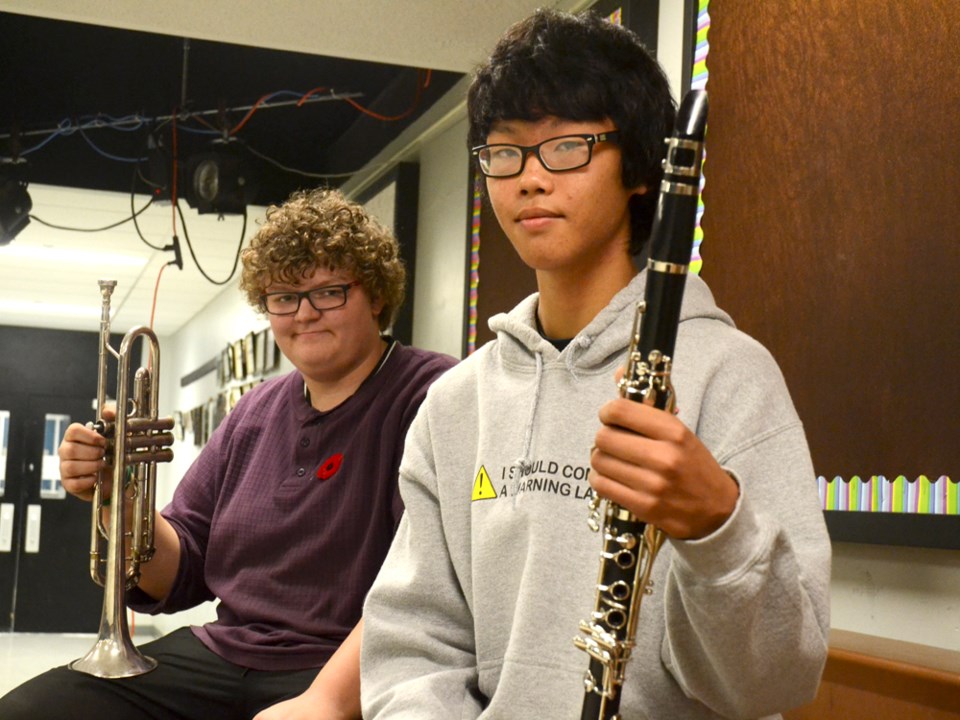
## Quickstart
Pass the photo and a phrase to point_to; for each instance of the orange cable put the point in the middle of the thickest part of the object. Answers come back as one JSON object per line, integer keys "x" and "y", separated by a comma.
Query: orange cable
{"x": 156, "y": 291}
{"x": 308, "y": 95}
{"x": 401, "y": 116}
{"x": 250, "y": 113}
{"x": 173, "y": 184}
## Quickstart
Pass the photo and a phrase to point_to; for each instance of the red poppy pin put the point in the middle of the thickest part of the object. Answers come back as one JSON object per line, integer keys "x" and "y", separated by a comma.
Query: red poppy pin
{"x": 330, "y": 466}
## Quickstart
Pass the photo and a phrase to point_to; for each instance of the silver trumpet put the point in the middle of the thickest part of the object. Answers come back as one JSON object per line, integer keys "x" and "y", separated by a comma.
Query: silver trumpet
{"x": 136, "y": 440}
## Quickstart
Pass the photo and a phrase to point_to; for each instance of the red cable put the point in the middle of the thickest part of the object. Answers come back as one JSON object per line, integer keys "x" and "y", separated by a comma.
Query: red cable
{"x": 401, "y": 116}
{"x": 250, "y": 113}
{"x": 358, "y": 106}
{"x": 156, "y": 291}
{"x": 307, "y": 96}
{"x": 173, "y": 184}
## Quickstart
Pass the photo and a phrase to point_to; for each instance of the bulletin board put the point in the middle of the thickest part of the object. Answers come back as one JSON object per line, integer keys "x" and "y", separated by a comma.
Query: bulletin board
{"x": 830, "y": 236}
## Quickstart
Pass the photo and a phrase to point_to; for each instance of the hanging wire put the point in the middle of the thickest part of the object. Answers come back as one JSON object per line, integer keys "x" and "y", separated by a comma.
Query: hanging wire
{"x": 295, "y": 171}
{"x": 156, "y": 291}
{"x": 133, "y": 217}
{"x": 409, "y": 111}
{"x": 136, "y": 225}
{"x": 109, "y": 156}
{"x": 130, "y": 123}
{"x": 236, "y": 260}
{"x": 67, "y": 126}
{"x": 173, "y": 180}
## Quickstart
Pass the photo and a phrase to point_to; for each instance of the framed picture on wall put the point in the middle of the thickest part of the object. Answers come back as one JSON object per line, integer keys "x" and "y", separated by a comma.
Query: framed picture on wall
{"x": 249, "y": 355}
{"x": 225, "y": 374}
{"x": 263, "y": 352}
{"x": 237, "y": 355}
{"x": 272, "y": 353}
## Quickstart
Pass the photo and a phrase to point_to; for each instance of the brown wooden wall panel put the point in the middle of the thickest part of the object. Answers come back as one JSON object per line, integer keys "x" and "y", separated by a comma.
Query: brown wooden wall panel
{"x": 504, "y": 279}
{"x": 872, "y": 678}
{"x": 832, "y": 221}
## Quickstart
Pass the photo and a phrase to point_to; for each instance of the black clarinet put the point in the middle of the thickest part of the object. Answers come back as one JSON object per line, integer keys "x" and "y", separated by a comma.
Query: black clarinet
{"x": 629, "y": 545}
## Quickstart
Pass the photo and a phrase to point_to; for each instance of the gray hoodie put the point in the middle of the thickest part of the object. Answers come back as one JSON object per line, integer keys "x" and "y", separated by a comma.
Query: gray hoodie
{"x": 474, "y": 612}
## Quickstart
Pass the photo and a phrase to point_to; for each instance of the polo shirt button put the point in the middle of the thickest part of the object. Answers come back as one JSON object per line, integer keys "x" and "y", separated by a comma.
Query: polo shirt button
{"x": 301, "y": 472}
{"x": 304, "y": 442}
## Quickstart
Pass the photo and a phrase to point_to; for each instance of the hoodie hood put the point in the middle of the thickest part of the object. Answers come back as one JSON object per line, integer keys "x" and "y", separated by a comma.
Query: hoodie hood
{"x": 599, "y": 347}
{"x": 605, "y": 338}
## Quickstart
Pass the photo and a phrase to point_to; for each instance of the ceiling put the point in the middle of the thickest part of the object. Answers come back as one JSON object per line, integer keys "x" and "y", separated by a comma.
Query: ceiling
{"x": 102, "y": 99}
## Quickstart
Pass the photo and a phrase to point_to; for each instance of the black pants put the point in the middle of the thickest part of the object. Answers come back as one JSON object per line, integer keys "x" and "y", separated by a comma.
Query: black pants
{"x": 189, "y": 683}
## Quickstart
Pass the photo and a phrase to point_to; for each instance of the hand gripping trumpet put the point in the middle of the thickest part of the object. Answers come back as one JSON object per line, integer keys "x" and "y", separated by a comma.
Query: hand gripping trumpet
{"x": 629, "y": 545}
{"x": 136, "y": 440}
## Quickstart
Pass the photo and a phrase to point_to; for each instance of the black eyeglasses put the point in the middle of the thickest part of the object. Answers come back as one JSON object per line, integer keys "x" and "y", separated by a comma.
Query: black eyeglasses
{"x": 558, "y": 154}
{"x": 287, "y": 302}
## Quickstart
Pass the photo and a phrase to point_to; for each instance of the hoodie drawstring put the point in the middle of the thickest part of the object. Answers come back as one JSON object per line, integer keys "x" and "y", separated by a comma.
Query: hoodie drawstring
{"x": 524, "y": 459}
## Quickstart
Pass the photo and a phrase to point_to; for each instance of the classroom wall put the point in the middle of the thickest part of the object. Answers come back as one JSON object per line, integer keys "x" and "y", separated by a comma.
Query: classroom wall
{"x": 438, "y": 299}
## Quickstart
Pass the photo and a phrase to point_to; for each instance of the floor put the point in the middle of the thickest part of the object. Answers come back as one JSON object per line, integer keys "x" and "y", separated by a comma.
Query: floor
{"x": 23, "y": 655}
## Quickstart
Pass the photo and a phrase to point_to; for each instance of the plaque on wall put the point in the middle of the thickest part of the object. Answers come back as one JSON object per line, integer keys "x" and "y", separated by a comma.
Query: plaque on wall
{"x": 273, "y": 358}
{"x": 226, "y": 365}
{"x": 238, "y": 358}
{"x": 249, "y": 355}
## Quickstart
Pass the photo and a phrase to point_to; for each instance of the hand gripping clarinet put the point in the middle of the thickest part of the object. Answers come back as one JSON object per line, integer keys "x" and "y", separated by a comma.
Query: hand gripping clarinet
{"x": 629, "y": 545}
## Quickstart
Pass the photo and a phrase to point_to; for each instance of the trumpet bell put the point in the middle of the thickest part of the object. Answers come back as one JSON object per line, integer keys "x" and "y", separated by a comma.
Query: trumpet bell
{"x": 112, "y": 658}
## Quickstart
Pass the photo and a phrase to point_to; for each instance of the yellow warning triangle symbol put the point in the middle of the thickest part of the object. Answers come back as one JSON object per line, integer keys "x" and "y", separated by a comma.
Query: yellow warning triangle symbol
{"x": 482, "y": 487}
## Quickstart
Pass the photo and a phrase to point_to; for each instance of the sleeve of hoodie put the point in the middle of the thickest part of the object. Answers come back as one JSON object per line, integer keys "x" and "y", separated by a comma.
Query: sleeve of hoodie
{"x": 747, "y": 608}
{"x": 418, "y": 657}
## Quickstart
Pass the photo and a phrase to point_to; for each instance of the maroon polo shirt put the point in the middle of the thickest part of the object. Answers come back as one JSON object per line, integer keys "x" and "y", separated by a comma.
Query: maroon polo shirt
{"x": 288, "y": 513}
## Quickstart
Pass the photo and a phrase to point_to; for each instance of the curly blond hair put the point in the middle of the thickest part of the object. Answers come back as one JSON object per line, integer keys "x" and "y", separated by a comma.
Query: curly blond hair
{"x": 322, "y": 229}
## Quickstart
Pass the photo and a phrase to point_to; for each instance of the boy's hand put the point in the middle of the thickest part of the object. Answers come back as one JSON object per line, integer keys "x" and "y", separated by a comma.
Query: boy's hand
{"x": 81, "y": 458}
{"x": 648, "y": 461}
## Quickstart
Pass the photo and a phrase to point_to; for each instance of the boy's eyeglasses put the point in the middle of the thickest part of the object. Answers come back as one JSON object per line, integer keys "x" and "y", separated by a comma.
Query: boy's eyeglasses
{"x": 287, "y": 302}
{"x": 566, "y": 152}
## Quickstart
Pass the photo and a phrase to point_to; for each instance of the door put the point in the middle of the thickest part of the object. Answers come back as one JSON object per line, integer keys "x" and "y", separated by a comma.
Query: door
{"x": 12, "y": 426}
{"x": 51, "y": 589}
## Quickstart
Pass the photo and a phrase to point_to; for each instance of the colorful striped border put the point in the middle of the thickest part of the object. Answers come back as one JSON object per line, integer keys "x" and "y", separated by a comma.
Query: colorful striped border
{"x": 474, "y": 263}
{"x": 699, "y": 82}
{"x": 877, "y": 493}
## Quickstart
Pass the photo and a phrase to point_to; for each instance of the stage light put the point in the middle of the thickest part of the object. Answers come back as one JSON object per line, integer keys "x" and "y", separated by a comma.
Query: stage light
{"x": 219, "y": 180}
{"x": 15, "y": 206}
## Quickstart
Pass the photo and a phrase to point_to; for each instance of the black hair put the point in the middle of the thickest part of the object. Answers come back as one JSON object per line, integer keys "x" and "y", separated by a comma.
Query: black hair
{"x": 581, "y": 68}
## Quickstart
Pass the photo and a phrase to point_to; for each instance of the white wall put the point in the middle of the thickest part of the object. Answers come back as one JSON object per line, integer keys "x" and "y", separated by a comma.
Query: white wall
{"x": 909, "y": 594}
{"x": 442, "y": 226}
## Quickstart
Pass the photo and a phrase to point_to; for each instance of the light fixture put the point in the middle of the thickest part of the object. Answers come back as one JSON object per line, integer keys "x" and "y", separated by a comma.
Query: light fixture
{"x": 31, "y": 308}
{"x": 46, "y": 256}
{"x": 15, "y": 202}
{"x": 219, "y": 181}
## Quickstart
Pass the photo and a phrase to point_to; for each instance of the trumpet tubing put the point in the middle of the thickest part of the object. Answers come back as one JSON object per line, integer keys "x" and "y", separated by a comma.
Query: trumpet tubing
{"x": 137, "y": 439}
